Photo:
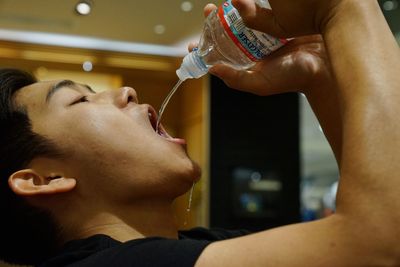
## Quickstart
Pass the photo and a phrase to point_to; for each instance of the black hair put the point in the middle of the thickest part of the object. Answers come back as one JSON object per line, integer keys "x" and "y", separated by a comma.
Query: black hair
{"x": 28, "y": 234}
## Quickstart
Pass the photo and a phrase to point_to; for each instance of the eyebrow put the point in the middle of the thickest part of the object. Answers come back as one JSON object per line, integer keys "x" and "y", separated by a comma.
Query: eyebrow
{"x": 65, "y": 83}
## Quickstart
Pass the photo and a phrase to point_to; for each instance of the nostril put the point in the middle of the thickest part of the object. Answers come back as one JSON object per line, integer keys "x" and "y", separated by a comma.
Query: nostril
{"x": 125, "y": 96}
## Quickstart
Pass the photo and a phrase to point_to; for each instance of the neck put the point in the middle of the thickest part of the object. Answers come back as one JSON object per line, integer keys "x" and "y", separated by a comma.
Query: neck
{"x": 143, "y": 219}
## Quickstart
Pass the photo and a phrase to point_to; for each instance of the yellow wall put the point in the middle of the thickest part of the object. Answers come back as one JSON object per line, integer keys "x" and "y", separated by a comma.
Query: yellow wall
{"x": 97, "y": 81}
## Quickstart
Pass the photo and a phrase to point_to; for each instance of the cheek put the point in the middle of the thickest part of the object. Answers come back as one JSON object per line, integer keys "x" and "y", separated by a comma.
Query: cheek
{"x": 94, "y": 131}
{"x": 107, "y": 143}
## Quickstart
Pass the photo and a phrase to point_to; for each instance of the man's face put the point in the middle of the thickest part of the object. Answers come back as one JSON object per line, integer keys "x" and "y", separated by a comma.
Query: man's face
{"x": 109, "y": 141}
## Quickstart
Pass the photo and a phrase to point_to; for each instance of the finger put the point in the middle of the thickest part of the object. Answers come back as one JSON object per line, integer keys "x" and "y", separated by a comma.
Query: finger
{"x": 258, "y": 18}
{"x": 240, "y": 79}
{"x": 208, "y": 9}
{"x": 192, "y": 45}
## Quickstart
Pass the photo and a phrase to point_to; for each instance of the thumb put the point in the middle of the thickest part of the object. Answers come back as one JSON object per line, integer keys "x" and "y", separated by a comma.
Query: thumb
{"x": 258, "y": 18}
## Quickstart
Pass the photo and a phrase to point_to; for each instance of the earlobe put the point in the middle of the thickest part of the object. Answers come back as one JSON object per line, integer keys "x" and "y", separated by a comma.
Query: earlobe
{"x": 29, "y": 183}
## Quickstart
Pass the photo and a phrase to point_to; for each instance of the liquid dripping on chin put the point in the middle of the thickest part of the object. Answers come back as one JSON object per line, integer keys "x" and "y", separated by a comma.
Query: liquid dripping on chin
{"x": 189, "y": 204}
{"x": 165, "y": 102}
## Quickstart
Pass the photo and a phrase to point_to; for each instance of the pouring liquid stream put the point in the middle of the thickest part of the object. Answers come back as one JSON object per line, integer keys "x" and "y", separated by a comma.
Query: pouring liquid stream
{"x": 160, "y": 113}
{"x": 189, "y": 204}
{"x": 165, "y": 103}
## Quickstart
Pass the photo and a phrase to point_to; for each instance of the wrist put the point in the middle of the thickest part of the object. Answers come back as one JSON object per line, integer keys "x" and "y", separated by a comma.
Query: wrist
{"x": 319, "y": 86}
{"x": 324, "y": 78}
{"x": 320, "y": 76}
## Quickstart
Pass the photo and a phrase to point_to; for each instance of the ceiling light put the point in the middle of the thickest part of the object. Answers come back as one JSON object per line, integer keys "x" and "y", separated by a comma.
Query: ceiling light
{"x": 186, "y": 6}
{"x": 83, "y": 7}
{"x": 390, "y": 5}
{"x": 159, "y": 29}
{"x": 87, "y": 66}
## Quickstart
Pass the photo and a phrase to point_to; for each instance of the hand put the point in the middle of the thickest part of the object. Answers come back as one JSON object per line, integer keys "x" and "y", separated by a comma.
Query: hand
{"x": 299, "y": 66}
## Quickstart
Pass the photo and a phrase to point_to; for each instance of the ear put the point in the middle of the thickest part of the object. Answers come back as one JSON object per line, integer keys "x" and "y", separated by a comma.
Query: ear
{"x": 29, "y": 183}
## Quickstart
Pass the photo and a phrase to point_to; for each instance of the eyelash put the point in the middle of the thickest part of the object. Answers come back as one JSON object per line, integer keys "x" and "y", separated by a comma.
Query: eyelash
{"x": 80, "y": 100}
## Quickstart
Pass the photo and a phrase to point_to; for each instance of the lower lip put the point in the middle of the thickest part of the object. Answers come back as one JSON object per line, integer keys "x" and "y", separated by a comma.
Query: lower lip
{"x": 178, "y": 141}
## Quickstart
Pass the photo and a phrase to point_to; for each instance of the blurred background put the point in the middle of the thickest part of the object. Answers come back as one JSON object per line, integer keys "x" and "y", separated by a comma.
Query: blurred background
{"x": 265, "y": 160}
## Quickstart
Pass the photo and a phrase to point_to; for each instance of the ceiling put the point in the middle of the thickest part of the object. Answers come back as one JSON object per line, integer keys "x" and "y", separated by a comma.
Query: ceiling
{"x": 121, "y": 20}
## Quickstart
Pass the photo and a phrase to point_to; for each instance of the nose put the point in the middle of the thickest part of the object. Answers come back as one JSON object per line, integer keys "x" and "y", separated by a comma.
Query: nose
{"x": 124, "y": 95}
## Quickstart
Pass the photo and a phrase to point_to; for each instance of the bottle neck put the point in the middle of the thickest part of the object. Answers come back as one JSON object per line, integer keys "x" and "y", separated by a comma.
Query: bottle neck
{"x": 192, "y": 66}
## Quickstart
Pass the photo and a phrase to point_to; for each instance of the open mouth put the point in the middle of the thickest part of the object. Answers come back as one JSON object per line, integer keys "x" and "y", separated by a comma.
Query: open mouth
{"x": 160, "y": 129}
{"x": 157, "y": 128}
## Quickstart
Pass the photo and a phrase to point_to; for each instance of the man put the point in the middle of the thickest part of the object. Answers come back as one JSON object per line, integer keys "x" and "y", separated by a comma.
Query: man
{"x": 104, "y": 180}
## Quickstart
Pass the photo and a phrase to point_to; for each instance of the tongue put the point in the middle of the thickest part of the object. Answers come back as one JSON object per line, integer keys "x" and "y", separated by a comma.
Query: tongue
{"x": 163, "y": 133}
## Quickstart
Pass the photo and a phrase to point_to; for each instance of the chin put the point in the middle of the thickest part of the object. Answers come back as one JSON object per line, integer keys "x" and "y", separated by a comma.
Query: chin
{"x": 188, "y": 174}
{"x": 191, "y": 172}
{"x": 196, "y": 171}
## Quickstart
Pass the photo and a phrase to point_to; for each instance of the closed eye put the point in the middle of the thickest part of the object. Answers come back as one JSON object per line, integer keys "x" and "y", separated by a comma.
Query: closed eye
{"x": 80, "y": 100}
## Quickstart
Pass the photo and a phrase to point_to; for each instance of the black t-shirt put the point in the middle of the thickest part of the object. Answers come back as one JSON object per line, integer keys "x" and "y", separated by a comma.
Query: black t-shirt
{"x": 102, "y": 250}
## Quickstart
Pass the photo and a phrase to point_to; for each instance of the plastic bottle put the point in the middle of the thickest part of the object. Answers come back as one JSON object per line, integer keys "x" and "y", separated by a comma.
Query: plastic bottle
{"x": 227, "y": 40}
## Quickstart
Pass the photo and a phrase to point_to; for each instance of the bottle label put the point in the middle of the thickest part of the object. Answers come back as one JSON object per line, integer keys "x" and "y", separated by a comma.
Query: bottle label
{"x": 256, "y": 45}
